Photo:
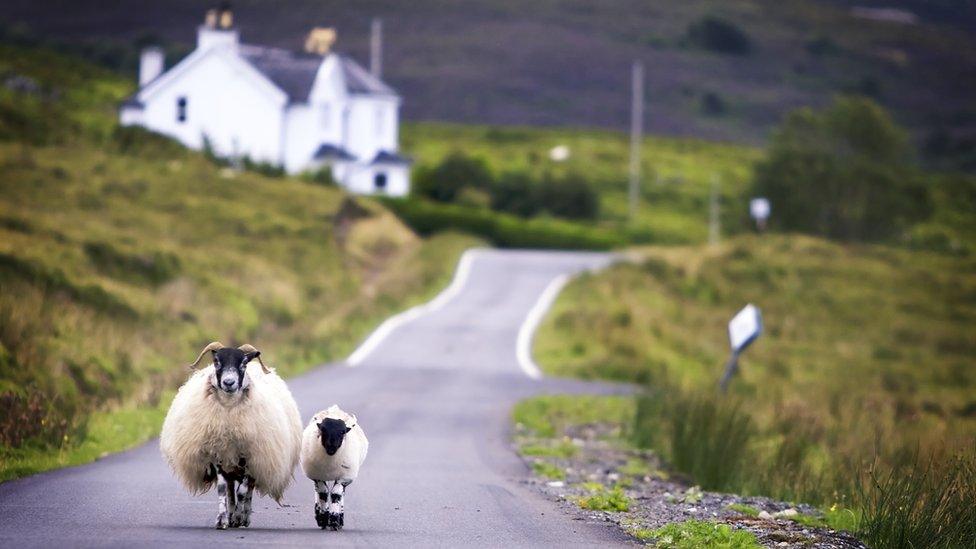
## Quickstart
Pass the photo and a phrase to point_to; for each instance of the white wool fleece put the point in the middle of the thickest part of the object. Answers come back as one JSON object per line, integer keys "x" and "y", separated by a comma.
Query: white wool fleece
{"x": 345, "y": 464}
{"x": 263, "y": 426}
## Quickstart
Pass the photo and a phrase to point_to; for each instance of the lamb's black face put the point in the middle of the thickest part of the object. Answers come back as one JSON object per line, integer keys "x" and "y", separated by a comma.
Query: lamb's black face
{"x": 230, "y": 364}
{"x": 333, "y": 432}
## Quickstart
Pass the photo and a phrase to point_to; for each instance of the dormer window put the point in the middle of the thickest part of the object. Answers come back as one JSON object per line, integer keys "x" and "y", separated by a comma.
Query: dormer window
{"x": 181, "y": 109}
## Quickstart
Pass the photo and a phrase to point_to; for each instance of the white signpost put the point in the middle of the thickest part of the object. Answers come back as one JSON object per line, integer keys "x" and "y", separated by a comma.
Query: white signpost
{"x": 759, "y": 209}
{"x": 744, "y": 328}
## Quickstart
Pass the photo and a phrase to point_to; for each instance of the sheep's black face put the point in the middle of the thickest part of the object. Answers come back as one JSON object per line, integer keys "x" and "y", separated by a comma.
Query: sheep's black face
{"x": 333, "y": 431}
{"x": 230, "y": 365}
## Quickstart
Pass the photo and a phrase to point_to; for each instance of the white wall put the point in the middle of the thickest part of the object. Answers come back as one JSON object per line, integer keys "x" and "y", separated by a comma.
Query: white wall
{"x": 373, "y": 125}
{"x": 361, "y": 179}
{"x": 227, "y": 101}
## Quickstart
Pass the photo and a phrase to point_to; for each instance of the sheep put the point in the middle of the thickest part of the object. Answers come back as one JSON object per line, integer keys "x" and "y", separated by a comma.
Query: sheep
{"x": 233, "y": 423}
{"x": 334, "y": 447}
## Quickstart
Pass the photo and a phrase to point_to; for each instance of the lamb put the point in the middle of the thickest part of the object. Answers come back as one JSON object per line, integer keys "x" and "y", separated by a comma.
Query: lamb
{"x": 233, "y": 423}
{"x": 333, "y": 449}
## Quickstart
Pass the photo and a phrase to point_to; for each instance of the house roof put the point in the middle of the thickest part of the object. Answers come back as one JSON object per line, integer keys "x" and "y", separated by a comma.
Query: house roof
{"x": 359, "y": 80}
{"x": 294, "y": 73}
{"x": 327, "y": 151}
{"x": 387, "y": 157}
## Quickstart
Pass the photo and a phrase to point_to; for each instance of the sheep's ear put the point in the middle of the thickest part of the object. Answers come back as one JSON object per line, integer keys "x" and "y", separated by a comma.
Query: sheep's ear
{"x": 349, "y": 429}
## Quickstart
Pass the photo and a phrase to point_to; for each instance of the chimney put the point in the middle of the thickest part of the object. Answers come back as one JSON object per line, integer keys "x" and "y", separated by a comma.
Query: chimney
{"x": 218, "y": 28}
{"x": 151, "y": 62}
{"x": 320, "y": 40}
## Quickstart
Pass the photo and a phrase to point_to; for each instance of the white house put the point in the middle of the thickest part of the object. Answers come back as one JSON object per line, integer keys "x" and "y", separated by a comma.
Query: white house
{"x": 301, "y": 111}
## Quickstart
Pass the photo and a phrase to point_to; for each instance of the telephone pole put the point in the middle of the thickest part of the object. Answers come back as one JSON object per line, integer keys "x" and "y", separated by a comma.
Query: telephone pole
{"x": 714, "y": 227}
{"x": 636, "y": 134}
{"x": 376, "y": 48}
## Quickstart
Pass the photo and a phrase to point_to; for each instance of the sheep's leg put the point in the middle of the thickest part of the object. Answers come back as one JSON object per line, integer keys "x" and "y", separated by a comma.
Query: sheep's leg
{"x": 226, "y": 501}
{"x": 241, "y": 516}
{"x": 321, "y": 503}
{"x": 222, "y": 517}
{"x": 336, "y": 505}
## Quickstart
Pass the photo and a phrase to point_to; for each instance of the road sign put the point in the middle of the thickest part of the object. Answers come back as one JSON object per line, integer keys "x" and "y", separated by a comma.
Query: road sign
{"x": 745, "y": 327}
{"x": 759, "y": 208}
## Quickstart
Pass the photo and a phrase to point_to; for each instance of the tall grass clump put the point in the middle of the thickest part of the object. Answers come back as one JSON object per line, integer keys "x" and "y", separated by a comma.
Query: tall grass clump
{"x": 924, "y": 503}
{"x": 702, "y": 436}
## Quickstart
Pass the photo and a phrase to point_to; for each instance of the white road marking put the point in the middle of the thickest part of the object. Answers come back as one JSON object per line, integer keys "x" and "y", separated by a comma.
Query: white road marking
{"x": 523, "y": 345}
{"x": 392, "y": 323}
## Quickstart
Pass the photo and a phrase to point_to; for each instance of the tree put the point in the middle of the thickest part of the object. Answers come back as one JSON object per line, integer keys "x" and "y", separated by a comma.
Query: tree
{"x": 718, "y": 35}
{"x": 844, "y": 172}
{"x": 570, "y": 197}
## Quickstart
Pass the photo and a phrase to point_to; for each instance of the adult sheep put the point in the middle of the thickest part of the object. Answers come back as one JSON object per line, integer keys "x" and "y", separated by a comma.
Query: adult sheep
{"x": 235, "y": 425}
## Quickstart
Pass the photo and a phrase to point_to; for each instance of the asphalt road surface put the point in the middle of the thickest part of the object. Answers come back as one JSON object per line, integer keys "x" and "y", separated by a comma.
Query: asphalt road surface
{"x": 434, "y": 398}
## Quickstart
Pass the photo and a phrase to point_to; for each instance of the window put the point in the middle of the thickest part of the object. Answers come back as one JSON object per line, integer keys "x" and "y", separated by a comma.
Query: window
{"x": 181, "y": 110}
{"x": 379, "y": 182}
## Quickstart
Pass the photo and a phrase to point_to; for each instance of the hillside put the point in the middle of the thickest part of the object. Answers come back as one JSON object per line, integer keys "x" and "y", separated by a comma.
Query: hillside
{"x": 121, "y": 254}
{"x": 863, "y": 369}
{"x": 566, "y": 63}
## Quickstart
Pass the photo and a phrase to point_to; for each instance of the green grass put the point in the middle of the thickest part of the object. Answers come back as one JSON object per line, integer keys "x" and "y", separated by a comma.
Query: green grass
{"x": 564, "y": 449}
{"x": 122, "y": 254}
{"x": 747, "y": 510}
{"x": 548, "y": 470}
{"x": 693, "y": 534}
{"x": 601, "y": 498}
{"x": 674, "y": 195}
{"x": 861, "y": 366}
{"x": 548, "y": 416}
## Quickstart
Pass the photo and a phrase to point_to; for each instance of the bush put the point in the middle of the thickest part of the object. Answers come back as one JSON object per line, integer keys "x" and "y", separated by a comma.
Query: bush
{"x": 138, "y": 141}
{"x": 514, "y": 193}
{"x": 456, "y": 171}
{"x": 569, "y": 197}
{"x": 718, "y": 35}
{"x": 842, "y": 173}
{"x": 712, "y": 104}
{"x": 501, "y": 229}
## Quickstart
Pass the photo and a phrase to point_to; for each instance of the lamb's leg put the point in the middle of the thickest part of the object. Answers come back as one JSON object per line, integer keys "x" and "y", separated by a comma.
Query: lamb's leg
{"x": 321, "y": 503}
{"x": 241, "y": 516}
{"x": 336, "y": 505}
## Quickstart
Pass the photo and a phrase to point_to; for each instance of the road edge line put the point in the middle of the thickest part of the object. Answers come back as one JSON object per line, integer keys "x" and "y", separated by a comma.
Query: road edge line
{"x": 461, "y": 274}
{"x": 523, "y": 344}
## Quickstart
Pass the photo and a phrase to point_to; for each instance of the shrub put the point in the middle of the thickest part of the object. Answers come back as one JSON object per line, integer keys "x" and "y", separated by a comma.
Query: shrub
{"x": 502, "y": 229}
{"x": 139, "y": 141}
{"x": 842, "y": 173}
{"x": 456, "y": 171}
{"x": 718, "y": 35}
{"x": 570, "y": 197}
{"x": 712, "y": 104}
{"x": 514, "y": 193}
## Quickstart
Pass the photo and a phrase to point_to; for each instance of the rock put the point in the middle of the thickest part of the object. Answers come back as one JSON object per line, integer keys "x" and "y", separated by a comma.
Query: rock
{"x": 786, "y": 513}
{"x": 780, "y": 535}
{"x": 764, "y": 515}
{"x": 556, "y": 484}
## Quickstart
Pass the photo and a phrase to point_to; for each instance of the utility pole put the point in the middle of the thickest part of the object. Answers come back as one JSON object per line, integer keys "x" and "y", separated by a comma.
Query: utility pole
{"x": 714, "y": 227}
{"x": 636, "y": 134}
{"x": 376, "y": 48}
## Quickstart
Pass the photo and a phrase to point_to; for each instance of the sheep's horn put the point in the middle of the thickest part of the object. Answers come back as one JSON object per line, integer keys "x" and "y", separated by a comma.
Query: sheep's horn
{"x": 248, "y": 348}
{"x": 213, "y": 346}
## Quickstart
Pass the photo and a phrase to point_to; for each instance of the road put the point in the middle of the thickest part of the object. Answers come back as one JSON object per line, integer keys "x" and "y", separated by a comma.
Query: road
{"x": 434, "y": 397}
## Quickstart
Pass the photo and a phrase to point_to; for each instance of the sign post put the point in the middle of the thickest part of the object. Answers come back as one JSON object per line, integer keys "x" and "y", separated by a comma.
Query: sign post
{"x": 744, "y": 328}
